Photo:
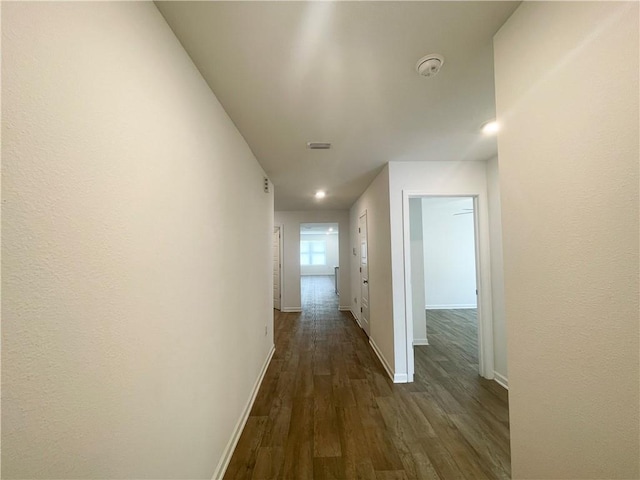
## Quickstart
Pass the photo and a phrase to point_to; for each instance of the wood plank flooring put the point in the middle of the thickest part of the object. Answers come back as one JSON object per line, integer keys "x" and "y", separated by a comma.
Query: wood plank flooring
{"x": 327, "y": 409}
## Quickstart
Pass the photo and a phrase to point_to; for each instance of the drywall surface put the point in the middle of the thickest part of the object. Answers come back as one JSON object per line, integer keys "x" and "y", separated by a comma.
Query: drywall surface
{"x": 497, "y": 272}
{"x": 332, "y": 256}
{"x": 136, "y": 250}
{"x": 449, "y": 253}
{"x": 436, "y": 178}
{"x": 416, "y": 233}
{"x": 567, "y": 97}
{"x": 375, "y": 202}
{"x": 290, "y": 222}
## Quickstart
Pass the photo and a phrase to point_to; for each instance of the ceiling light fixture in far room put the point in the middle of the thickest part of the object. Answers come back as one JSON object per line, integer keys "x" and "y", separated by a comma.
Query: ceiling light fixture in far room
{"x": 320, "y": 194}
{"x": 429, "y": 65}
{"x": 490, "y": 128}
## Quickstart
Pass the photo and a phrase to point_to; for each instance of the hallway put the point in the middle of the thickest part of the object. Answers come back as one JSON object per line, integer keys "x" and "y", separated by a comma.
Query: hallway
{"x": 327, "y": 409}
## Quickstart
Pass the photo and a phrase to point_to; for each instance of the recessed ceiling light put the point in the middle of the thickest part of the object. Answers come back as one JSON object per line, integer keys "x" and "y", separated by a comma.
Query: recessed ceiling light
{"x": 490, "y": 128}
{"x": 320, "y": 194}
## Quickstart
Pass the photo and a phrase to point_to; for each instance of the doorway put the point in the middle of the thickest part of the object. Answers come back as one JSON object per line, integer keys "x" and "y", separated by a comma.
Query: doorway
{"x": 319, "y": 262}
{"x": 442, "y": 272}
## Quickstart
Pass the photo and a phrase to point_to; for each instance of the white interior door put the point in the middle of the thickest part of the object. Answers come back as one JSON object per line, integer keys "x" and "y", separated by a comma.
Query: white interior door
{"x": 364, "y": 273}
{"x": 276, "y": 268}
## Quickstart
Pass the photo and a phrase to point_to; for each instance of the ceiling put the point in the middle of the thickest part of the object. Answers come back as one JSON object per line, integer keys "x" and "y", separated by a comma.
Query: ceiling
{"x": 288, "y": 73}
{"x": 318, "y": 228}
{"x": 453, "y": 205}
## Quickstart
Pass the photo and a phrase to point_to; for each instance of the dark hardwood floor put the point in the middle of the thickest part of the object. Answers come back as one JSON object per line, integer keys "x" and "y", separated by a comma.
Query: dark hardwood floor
{"x": 327, "y": 409}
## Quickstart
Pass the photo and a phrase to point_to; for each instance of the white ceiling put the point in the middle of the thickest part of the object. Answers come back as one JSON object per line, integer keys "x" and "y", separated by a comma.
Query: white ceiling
{"x": 318, "y": 228}
{"x": 343, "y": 72}
{"x": 451, "y": 204}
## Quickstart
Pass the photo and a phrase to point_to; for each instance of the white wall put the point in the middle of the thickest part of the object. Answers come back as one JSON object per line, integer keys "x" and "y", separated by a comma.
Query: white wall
{"x": 332, "y": 254}
{"x": 375, "y": 201}
{"x": 449, "y": 253}
{"x": 567, "y": 96}
{"x": 435, "y": 178}
{"x": 290, "y": 222}
{"x": 136, "y": 250}
{"x": 497, "y": 273}
{"x": 416, "y": 233}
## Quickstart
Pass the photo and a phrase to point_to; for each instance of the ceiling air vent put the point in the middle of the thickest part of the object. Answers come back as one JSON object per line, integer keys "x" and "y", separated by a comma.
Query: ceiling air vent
{"x": 318, "y": 146}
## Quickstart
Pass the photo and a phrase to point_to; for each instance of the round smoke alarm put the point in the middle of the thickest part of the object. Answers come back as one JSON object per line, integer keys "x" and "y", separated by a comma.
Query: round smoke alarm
{"x": 429, "y": 65}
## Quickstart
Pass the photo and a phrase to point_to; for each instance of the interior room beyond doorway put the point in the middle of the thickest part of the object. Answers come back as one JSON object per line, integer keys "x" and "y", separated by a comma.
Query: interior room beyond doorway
{"x": 443, "y": 257}
{"x": 319, "y": 254}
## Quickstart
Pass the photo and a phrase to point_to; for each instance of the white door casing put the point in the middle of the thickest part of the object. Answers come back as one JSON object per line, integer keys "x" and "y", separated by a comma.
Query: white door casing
{"x": 483, "y": 283}
{"x": 364, "y": 273}
{"x": 277, "y": 265}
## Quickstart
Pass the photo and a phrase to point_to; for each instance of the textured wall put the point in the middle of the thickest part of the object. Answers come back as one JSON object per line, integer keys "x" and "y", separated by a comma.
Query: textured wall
{"x": 449, "y": 253}
{"x": 136, "y": 250}
{"x": 375, "y": 200}
{"x": 567, "y": 96}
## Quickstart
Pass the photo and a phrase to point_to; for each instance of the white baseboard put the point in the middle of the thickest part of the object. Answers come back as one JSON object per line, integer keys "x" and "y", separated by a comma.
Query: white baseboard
{"x": 461, "y": 306}
{"x": 356, "y": 317}
{"x": 291, "y": 309}
{"x": 420, "y": 341}
{"x": 381, "y": 358}
{"x": 344, "y": 309}
{"x": 395, "y": 377}
{"x": 231, "y": 446}
{"x": 501, "y": 380}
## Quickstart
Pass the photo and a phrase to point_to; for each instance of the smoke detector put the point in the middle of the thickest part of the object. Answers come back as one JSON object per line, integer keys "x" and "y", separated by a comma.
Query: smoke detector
{"x": 429, "y": 65}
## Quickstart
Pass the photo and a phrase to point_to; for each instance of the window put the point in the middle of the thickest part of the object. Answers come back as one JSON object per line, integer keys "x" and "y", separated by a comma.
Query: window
{"x": 313, "y": 253}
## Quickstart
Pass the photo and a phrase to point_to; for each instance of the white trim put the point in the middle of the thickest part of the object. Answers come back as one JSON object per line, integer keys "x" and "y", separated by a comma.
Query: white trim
{"x": 383, "y": 360}
{"x": 395, "y": 377}
{"x": 280, "y": 228}
{"x": 356, "y": 317}
{"x": 451, "y": 307}
{"x": 365, "y": 214}
{"x": 420, "y": 341}
{"x": 342, "y": 308}
{"x": 233, "y": 441}
{"x": 501, "y": 380}
{"x": 408, "y": 294}
{"x": 280, "y": 264}
{"x": 483, "y": 282}
{"x": 291, "y": 310}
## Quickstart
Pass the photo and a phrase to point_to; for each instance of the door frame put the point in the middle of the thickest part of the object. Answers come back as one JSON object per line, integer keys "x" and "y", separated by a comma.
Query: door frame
{"x": 364, "y": 214}
{"x": 280, "y": 229}
{"x": 483, "y": 284}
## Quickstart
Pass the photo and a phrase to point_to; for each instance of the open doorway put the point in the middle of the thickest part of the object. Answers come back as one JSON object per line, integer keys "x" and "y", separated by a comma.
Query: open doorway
{"x": 450, "y": 273}
{"x": 444, "y": 305}
{"x": 319, "y": 262}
